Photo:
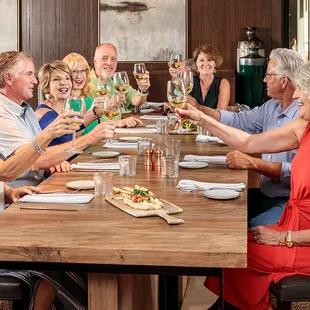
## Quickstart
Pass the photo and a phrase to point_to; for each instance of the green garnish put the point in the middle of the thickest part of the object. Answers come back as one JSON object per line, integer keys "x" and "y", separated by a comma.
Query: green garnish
{"x": 140, "y": 192}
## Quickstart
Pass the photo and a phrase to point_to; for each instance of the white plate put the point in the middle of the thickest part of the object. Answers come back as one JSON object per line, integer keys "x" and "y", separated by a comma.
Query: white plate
{"x": 192, "y": 165}
{"x": 105, "y": 154}
{"x": 221, "y": 194}
{"x": 147, "y": 110}
{"x": 151, "y": 126}
{"x": 81, "y": 184}
{"x": 129, "y": 138}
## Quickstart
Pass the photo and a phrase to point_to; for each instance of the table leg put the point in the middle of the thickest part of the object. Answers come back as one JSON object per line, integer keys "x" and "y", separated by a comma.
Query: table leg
{"x": 102, "y": 291}
{"x": 168, "y": 293}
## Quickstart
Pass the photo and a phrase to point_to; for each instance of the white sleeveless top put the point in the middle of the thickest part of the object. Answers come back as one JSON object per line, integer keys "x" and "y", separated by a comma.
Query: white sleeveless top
{"x": 1, "y": 197}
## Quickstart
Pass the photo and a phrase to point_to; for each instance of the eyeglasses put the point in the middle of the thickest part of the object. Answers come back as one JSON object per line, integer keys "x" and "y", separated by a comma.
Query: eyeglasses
{"x": 79, "y": 71}
{"x": 269, "y": 75}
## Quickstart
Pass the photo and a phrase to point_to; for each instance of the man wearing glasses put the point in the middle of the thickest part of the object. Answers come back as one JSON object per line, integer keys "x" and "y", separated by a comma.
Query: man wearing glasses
{"x": 265, "y": 204}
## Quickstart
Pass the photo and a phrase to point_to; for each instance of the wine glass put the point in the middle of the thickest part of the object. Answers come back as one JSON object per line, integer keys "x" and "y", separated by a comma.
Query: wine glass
{"x": 138, "y": 72}
{"x": 188, "y": 78}
{"x": 177, "y": 95}
{"x": 104, "y": 86}
{"x": 111, "y": 108}
{"x": 76, "y": 104}
{"x": 121, "y": 83}
{"x": 175, "y": 61}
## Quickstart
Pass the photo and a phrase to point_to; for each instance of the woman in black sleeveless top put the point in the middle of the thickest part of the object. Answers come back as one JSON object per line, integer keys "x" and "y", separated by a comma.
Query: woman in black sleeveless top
{"x": 209, "y": 90}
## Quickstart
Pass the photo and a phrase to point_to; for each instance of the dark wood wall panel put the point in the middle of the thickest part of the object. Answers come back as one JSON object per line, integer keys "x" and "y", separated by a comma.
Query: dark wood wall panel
{"x": 52, "y": 28}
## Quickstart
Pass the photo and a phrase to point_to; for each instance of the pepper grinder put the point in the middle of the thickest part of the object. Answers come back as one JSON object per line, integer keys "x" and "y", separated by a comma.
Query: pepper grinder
{"x": 148, "y": 153}
{"x": 159, "y": 155}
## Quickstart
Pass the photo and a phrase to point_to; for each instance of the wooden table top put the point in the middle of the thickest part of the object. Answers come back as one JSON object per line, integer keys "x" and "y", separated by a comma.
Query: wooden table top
{"x": 214, "y": 233}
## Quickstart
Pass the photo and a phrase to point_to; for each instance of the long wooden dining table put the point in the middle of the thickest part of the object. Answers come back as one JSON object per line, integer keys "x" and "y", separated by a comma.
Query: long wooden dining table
{"x": 119, "y": 251}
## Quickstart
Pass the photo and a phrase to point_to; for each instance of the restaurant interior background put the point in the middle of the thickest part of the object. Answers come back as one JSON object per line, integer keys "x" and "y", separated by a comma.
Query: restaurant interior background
{"x": 50, "y": 29}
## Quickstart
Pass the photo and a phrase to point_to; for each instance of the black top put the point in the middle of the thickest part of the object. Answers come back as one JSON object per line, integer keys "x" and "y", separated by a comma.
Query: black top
{"x": 212, "y": 95}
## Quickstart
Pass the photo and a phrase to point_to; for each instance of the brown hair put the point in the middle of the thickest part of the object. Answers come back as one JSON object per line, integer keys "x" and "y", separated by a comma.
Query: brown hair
{"x": 45, "y": 71}
{"x": 75, "y": 61}
{"x": 211, "y": 51}
{"x": 9, "y": 63}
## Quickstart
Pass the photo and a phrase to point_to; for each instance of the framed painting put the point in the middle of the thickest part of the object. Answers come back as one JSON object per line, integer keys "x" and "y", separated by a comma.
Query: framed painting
{"x": 9, "y": 25}
{"x": 144, "y": 31}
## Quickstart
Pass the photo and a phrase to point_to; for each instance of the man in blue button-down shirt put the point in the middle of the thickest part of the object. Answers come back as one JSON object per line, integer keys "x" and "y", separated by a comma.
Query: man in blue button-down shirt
{"x": 265, "y": 205}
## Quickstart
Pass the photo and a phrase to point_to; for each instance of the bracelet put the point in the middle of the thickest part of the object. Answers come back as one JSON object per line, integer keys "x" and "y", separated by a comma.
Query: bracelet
{"x": 144, "y": 93}
{"x": 37, "y": 147}
{"x": 95, "y": 114}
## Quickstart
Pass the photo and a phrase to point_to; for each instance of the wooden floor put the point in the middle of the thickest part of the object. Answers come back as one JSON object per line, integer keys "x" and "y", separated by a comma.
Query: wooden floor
{"x": 197, "y": 297}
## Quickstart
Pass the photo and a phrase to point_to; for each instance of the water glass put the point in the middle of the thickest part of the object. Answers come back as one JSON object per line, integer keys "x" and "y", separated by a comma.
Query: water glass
{"x": 170, "y": 167}
{"x": 103, "y": 183}
{"x": 127, "y": 165}
{"x": 144, "y": 144}
{"x": 172, "y": 148}
{"x": 203, "y": 131}
{"x": 162, "y": 126}
{"x": 172, "y": 119}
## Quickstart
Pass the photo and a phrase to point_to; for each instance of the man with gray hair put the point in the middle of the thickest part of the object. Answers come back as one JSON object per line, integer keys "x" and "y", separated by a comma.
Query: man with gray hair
{"x": 265, "y": 205}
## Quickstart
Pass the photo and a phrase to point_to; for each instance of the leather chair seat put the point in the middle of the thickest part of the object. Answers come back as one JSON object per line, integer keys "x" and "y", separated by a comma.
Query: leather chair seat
{"x": 12, "y": 288}
{"x": 292, "y": 288}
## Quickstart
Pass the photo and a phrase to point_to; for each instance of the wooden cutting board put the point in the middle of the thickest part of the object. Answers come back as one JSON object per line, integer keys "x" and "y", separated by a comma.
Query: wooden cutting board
{"x": 168, "y": 208}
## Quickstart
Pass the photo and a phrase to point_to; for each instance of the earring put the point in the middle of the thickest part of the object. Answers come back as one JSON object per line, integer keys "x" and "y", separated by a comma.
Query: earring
{"x": 47, "y": 96}
{"x": 214, "y": 70}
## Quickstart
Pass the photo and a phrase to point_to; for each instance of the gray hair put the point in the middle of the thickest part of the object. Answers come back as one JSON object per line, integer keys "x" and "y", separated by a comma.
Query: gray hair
{"x": 9, "y": 64}
{"x": 288, "y": 61}
{"x": 302, "y": 78}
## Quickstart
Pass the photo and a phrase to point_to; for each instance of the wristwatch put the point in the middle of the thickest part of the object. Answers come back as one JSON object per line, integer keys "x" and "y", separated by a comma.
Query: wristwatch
{"x": 145, "y": 93}
{"x": 288, "y": 239}
{"x": 95, "y": 114}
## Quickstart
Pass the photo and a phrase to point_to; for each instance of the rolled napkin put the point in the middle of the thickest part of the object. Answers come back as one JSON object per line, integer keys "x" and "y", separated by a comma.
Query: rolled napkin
{"x": 202, "y": 138}
{"x": 95, "y": 166}
{"x": 220, "y": 160}
{"x": 190, "y": 185}
{"x": 136, "y": 130}
{"x": 146, "y": 110}
{"x": 58, "y": 198}
{"x": 121, "y": 145}
{"x": 155, "y": 104}
{"x": 153, "y": 117}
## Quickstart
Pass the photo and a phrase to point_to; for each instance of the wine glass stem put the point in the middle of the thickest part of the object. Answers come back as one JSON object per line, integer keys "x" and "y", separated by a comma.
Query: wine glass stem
{"x": 73, "y": 141}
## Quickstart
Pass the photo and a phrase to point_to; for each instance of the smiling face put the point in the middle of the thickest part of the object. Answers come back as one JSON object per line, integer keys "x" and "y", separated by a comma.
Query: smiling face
{"x": 23, "y": 82}
{"x": 303, "y": 103}
{"x": 79, "y": 77}
{"x": 205, "y": 64}
{"x": 105, "y": 60}
{"x": 60, "y": 85}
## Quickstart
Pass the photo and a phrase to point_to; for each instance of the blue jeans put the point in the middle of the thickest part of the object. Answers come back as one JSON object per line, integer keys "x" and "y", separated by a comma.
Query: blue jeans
{"x": 264, "y": 210}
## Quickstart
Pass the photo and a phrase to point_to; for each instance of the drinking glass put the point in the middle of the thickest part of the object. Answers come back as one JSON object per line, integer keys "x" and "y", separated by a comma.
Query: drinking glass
{"x": 138, "y": 72}
{"x": 127, "y": 165}
{"x": 170, "y": 166}
{"x": 143, "y": 144}
{"x": 162, "y": 126}
{"x": 103, "y": 183}
{"x": 173, "y": 148}
{"x": 175, "y": 61}
{"x": 76, "y": 104}
{"x": 121, "y": 83}
{"x": 104, "y": 86}
{"x": 177, "y": 96}
{"x": 188, "y": 78}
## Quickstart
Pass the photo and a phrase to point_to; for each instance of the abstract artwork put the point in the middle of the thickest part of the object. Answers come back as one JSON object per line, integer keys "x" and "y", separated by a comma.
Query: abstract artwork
{"x": 9, "y": 25}
{"x": 144, "y": 31}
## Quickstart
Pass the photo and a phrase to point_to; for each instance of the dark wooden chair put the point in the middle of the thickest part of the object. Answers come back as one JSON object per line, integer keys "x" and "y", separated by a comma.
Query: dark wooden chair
{"x": 15, "y": 290}
{"x": 292, "y": 289}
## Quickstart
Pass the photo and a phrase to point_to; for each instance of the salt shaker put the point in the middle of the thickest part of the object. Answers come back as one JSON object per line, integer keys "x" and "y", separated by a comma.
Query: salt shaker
{"x": 159, "y": 155}
{"x": 148, "y": 157}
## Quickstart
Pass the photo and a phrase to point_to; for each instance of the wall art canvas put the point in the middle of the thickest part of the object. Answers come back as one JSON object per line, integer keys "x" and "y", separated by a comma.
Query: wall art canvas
{"x": 9, "y": 25}
{"x": 144, "y": 31}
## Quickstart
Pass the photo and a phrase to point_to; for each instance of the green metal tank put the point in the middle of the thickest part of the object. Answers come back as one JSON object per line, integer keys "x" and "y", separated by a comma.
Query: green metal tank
{"x": 251, "y": 75}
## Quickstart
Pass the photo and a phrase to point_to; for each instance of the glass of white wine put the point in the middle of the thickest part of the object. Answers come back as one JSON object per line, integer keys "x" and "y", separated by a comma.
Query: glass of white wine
{"x": 175, "y": 61}
{"x": 76, "y": 104}
{"x": 121, "y": 83}
{"x": 138, "y": 72}
{"x": 188, "y": 78}
{"x": 111, "y": 108}
{"x": 177, "y": 95}
{"x": 104, "y": 86}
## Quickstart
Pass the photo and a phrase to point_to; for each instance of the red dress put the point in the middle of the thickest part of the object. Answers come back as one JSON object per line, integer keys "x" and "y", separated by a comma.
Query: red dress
{"x": 248, "y": 289}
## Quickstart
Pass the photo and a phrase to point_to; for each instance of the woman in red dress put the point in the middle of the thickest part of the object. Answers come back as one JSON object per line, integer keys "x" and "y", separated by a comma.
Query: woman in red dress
{"x": 280, "y": 250}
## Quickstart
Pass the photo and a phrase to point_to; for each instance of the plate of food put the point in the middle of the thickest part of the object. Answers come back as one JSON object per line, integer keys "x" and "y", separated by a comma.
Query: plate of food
{"x": 187, "y": 127}
{"x": 105, "y": 154}
{"x": 139, "y": 201}
{"x": 192, "y": 164}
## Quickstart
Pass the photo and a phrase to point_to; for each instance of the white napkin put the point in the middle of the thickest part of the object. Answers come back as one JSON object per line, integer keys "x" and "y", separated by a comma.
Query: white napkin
{"x": 95, "y": 166}
{"x": 136, "y": 130}
{"x": 190, "y": 185}
{"x": 220, "y": 160}
{"x": 153, "y": 117}
{"x": 146, "y": 110}
{"x": 121, "y": 145}
{"x": 202, "y": 138}
{"x": 58, "y": 198}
